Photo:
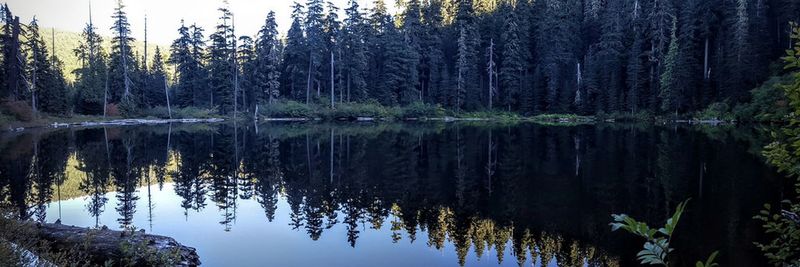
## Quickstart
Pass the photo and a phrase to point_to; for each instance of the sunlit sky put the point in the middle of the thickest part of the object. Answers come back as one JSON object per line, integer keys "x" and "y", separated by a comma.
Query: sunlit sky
{"x": 163, "y": 16}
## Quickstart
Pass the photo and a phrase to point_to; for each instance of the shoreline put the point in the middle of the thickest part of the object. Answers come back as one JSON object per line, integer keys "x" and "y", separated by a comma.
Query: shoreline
{"x": 543, "y": 119}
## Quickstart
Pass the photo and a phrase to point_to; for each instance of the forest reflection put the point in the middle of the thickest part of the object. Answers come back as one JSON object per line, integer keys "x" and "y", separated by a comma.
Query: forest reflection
{"x": 543, "y": 193}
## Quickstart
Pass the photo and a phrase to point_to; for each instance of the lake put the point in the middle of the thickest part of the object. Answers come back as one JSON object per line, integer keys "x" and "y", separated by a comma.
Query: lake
{"x": 400, "y": 194}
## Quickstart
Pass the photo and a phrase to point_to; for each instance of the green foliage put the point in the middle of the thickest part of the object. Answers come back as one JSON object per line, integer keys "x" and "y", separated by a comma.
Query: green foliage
{"x": 354, "y": 110}
{"x": 768, "y": 103}
{"x": 421, "y": 110}
{"x": 657, "y": 241}
{"x": 716, "y": 111}
{"x": 709, "y": 262}
{"x": 287, "y": 109}
{"x": 783, "y": 224}
{"x": 142, "y": 254}
{"x": 128, "y": 108}
{"x": 20, "y": 110}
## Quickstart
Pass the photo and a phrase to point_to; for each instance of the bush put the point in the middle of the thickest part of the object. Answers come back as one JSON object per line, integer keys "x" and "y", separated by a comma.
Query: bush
{"x": 112, "y": 110}
{"x": 768, "y": 104}
{"x": 287, "y": 109}
{"x": 19, "y": 109}
{"x": 716, "y": 111}
{"x": 193, "y": 113}
{"x": 369, "y": 109}
{"x": 422, "y": 110}
{"x": 158, "y": 112}
{"x": 128, "y": 108}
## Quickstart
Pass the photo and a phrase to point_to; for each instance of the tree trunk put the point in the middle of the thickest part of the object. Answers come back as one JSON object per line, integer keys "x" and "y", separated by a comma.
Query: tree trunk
{"x": 333, "y": 86}
{"x": 166, "y": 93}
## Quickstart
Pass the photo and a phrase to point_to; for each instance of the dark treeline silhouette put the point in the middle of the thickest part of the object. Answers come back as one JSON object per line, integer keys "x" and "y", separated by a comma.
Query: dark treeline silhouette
{"x": 549, "y": 56}
{"x": 547, "y": 189}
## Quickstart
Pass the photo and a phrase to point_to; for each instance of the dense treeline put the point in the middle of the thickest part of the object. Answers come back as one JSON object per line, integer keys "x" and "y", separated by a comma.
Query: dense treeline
{"x": 547, "y": 56}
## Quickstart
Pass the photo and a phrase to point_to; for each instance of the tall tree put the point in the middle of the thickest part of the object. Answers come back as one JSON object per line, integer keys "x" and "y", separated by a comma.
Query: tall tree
{"x": 49, "y": 86}
{"x": 91, "y": 81}
{"x": 268, "y": 62}
{"x": 355, "y": 53}
{"x": 295, "y": 62}
{"x": 121, "y": 58}
{"x": 315, "y": 44}
{"x": 221, "y": 64}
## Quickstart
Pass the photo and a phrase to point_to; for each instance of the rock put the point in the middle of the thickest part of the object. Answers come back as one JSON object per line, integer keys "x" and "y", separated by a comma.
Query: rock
{"x": 103, "y": 244}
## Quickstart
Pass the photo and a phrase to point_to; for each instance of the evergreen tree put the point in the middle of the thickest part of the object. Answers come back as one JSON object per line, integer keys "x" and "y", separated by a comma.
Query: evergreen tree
{"x": 512, "y": 65}
{"x": 247, "y": 63}
{"x": 380, "y": 34}
{"x": 331, "y": 67}
{"x": 669, "y": 93}
{"x": 50, "y": 88}
{"x": 355, "y": 53}
{"x": 91, "y": 81}
{"x": 268, "y": 62}
{"x": 155, "y": 94}
{"x": 181, "y": 57}
{"x": 315, "y": 43}
{"x": 121, "y": 58}
{"x": 295, "y": 61}
{"x": 463, "y": 70}
{"x": 13, "y": 67}
{"x": 221, "y": 64}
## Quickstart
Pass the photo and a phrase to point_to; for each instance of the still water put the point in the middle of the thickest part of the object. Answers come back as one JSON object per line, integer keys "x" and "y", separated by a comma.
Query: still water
{"x": 399, "y": 194}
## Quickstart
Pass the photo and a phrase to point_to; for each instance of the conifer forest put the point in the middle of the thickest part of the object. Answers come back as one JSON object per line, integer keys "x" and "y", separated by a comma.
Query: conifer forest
{"x": 400, "y": 133}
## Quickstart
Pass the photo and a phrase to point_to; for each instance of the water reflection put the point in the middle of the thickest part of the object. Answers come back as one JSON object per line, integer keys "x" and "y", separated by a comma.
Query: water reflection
{"x": 541, "y": 195}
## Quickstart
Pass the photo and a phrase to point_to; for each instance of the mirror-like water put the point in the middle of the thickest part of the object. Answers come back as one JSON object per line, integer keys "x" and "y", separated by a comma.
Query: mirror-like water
{"x": 398, "y": 194}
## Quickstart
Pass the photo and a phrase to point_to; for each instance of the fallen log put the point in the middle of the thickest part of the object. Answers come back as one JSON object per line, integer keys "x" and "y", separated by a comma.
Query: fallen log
{"x": 104, "y": 245}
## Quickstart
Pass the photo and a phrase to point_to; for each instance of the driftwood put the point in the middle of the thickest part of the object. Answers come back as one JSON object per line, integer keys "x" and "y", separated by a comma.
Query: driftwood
{"x": 103, "y": 244}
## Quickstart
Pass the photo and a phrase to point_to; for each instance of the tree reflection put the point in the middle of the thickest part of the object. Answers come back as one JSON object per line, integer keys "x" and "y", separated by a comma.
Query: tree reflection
{"x": 542, "y": 193}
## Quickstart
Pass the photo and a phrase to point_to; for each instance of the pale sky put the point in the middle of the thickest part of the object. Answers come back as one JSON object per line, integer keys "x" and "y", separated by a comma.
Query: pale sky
{"x": 163, "y": 16}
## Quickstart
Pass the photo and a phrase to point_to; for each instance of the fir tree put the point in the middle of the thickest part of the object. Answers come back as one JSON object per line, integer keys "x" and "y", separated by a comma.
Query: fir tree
{"x": 49, "y": 87}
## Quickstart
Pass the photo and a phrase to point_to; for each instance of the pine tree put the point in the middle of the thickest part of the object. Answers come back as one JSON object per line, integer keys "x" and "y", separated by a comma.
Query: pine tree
{"x": 355, "y": 53}
{"x": 463, "y": 69}
{"x": 379, "y": 37}
{"x": 331, "y": 66}
{"x": 13, "y": 66}
{"x": 669, "y": 94}
{"x": 268, "y": 62}
{"x": 512, "y": 64}
{"x": 247, "y": 62}
{"x": 316, "y": 45}
{"x": 295, "y": 61}
{"x": 49, "y": 88}
{"x": 181, "y": 57}
{"x": 156, "y": 76}
{"x": 121, "y": 63}
{"x": 221, "y": 67}
{"x": 92, "y": 78}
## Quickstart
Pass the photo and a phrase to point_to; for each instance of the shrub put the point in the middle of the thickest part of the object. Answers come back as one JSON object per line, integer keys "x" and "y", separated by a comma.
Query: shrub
{"x": 19, "y": 109}
{"x": 287, "y": 109}
{"x": 422, "y": 110}
{"x": 368, "y": 109}
{"x": 716, "y": 111}
{"x": 158, "y": 112}
{"x": 128, "y": 108}
{"x": 192, "y": 113}
{"x": 112, "y": 110}
{"x": 768, "y": 104}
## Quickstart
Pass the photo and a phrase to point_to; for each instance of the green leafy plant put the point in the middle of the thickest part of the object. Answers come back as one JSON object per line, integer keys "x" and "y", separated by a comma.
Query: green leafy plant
{"x": 657, "y": 241}
{"x": 782, "y": 224}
